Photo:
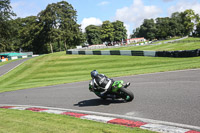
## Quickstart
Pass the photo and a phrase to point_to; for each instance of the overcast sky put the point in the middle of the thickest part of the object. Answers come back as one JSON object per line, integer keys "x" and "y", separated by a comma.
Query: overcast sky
{"x": 131, "y": 12}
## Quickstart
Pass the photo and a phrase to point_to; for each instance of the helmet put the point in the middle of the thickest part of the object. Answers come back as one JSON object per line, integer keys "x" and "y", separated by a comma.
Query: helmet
{"x": 94, "y": 73}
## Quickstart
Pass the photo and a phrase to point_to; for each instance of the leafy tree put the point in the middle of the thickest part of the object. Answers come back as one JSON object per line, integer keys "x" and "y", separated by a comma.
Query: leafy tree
{"x": 179, "y": 24}
{"x": 136, "y": 33}
{"x": 148, "y": 29}
{"x": 16, "y": 27}
{"x": 188, "y": 19}
{"x": 30, "y": 33}
{"x": 59, "y": 25}
{"x": 6, "y": 14}
{"x": 176, "y": 26}
{"x": 197, "y": 31}
{"x": 27, "y": 35}
{"x": 53, "y": 29}
{"x": 93, "y": 34}
{"x": 107, "y": 31}
{"x": 71, "y": 32}
{"x": 163, "y": 28}
{"x": 119, "y": 31}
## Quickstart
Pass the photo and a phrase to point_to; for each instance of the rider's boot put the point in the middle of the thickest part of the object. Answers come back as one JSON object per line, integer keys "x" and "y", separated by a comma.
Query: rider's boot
{"x": 127, "y": 84}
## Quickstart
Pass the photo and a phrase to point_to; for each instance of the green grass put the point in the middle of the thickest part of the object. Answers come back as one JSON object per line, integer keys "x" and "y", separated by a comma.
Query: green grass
{"x": 18, "y": 121}
{"x": 60, "y": 68}
{"x": 166, "y": 47}
{"x": 192, "y": 39}
{"x": 173, "y": 38}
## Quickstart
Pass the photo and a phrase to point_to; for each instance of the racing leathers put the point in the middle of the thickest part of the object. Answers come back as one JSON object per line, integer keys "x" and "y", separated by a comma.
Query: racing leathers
{"x": 101, "y": 84}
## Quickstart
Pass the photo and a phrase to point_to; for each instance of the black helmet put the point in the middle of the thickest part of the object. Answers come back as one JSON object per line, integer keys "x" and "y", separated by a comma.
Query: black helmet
{"x": 94, "y": 73}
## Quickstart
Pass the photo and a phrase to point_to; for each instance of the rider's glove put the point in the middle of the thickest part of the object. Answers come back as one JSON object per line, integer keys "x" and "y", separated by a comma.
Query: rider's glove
{"x": 91, "y": 88}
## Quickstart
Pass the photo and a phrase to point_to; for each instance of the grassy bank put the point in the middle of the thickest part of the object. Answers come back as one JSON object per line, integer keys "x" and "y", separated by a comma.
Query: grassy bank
{"x": 185, "y": 44}
{"x": 162, "y": 41}
{"x": 17, "y": 121}
{"x": 60, "y": 68}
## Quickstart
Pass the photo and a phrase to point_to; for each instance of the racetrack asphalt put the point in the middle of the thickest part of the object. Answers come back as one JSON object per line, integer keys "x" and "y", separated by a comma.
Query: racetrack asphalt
{"x": 165, "y": 96}
{"x": 7, "y": 67}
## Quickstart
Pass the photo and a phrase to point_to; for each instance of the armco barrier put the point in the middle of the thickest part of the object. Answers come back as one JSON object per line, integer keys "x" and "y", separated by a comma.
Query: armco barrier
{"x": 181, "y": 53}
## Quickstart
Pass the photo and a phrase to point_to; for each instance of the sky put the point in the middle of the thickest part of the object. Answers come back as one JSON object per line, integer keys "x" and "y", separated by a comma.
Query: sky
{"x": 131, "y": 12}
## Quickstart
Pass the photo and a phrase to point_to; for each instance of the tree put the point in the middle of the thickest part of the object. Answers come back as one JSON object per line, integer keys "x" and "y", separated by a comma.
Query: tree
{"x": 188, "y": 20}
{"x": 53, "y": 29}
{"x": 6, "y": 14}
{"x": 93, "y": 34}
{"x": 176, "y": 25}
{"x": 179, "y": 24}
{"x": 29, "y": 35}
{"x": 136, "y": 33}
{"x": 163, "y": 28}
{"x": 71, "y": 31}
{"x": 148, "y": 29}
{"x": 107, "y": 31}
{"x": 197, "y": 31}
{"x": 119, "y": 31}
{"x": 59, "y": 25}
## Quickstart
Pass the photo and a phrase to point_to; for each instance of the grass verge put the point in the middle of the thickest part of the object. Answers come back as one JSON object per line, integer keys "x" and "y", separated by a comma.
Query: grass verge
{"x": 60, "y": 68}
{"x": 13, "y": 121}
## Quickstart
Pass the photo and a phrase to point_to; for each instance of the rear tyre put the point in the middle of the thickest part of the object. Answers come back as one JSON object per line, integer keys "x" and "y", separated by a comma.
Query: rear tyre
{"x": 126, "y": 94}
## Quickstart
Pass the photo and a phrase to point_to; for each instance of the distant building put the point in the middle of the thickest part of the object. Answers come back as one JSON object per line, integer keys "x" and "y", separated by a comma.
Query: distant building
{"x": 135, "y": 40}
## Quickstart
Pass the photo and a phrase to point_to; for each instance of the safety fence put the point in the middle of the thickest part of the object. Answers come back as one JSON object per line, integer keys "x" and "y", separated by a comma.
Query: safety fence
{"x": 181, "y": 53}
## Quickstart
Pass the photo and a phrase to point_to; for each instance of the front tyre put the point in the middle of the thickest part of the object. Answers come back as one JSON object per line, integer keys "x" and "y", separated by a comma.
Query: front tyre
{"x": 126, "y": 94}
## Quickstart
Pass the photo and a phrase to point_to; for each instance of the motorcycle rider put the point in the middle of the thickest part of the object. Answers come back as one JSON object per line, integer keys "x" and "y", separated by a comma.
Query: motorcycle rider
{"x": 102, "y": 84}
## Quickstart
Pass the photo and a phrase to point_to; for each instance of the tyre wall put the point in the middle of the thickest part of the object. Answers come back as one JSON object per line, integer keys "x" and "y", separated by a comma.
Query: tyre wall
{"x": 181, "y": 53}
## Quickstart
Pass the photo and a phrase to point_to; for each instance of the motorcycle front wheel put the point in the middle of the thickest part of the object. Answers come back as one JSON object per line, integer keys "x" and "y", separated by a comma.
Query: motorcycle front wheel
{"x": 126, "y": 94}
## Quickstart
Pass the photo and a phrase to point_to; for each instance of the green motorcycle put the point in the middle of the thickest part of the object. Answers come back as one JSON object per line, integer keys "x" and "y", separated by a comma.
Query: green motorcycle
{"x": 119, "y": 90}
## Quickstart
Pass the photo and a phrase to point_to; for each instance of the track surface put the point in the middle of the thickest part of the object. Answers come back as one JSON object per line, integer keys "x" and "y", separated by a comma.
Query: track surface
{"x": 167, "y": 96}
{"x": 7, "y": 67}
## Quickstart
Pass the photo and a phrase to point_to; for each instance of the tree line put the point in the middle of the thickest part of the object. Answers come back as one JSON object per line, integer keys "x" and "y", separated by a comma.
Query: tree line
{"x": 53, "y": 29}
{"x": 56, "y": 29}
{"x": 179, "y": 24}
{"x": 107, "y": 32}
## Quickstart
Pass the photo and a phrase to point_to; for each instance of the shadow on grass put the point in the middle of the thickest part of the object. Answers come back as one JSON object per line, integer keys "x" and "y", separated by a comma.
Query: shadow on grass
{"x": 97, "y": 102}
